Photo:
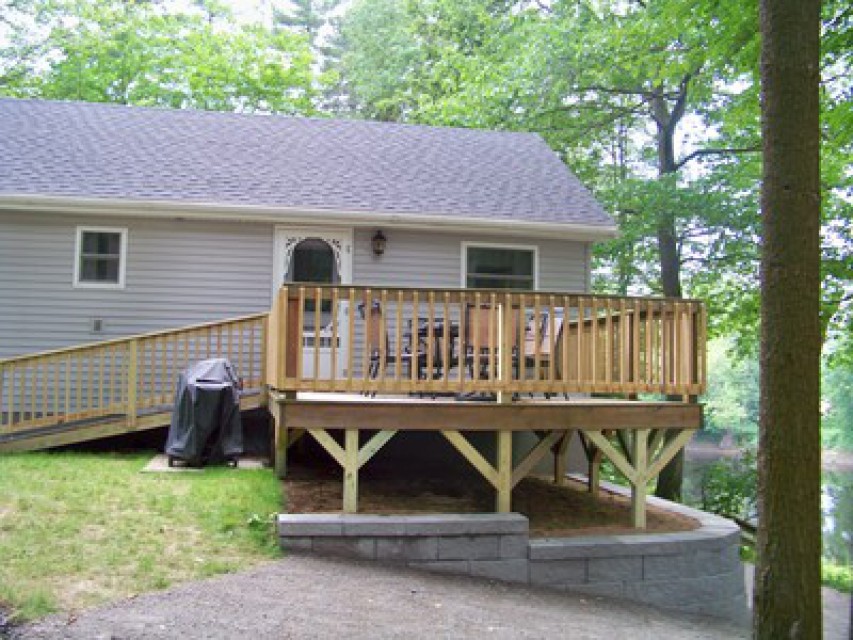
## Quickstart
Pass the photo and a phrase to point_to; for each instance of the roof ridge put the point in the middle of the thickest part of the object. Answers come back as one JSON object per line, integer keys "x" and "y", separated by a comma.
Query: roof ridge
{"x": 192, "y": 111}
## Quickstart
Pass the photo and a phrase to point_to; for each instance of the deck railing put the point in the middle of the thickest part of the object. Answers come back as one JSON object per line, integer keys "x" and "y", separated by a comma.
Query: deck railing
{"x": 395, "y": 340}
{"x": 124, "y": 377}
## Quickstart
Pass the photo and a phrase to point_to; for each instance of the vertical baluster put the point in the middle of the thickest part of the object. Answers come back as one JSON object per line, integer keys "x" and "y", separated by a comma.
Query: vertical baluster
{"x": 335, "y": 335}
{"x": 383, "y": 336}
{"x": 476, "y": 327}
{"x": 506, "y": 337}
{"x": 679, "y": 346}
{"x": 416, "y": 361}
{"x": 34, "y": 367}
{"x": 522, "y": 340}
{"x": 648, "y": 344}
{"x": 351, "y": 343}
{"x": 398, "y": 340}
{"x": 55, "y": 368}
{"x": 252, "y": 376}
{"x": 608, "y": 344}
{"x": 185, "y": 360}
{"x": 161, "y": 377}
{"x": 78, "y": 374}
{"x": 581, "y": 343}
{"x": 624, "y": 329}
{"x": 318, "y": 307}
{"x": 593, "y": 333}
{"x": 552, "y": 342}
{"x": 13, "y": 403}
{"x": 463, "y": 339}
{"x": 635, "y": 326}
{"x": 300, "y": 324}
{"x": 430, "y": 338}
{"x": 99, "y": 405}
{"x": 365, "y": 352}
{"x": 445, "y": 342}
{"x": 282, "y": 370}
{"x": 10, "y": 375}
{"x": 537, "y": 339}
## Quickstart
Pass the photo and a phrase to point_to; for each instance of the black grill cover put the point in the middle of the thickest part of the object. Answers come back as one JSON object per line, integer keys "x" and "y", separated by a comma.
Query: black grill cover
{"x": 206, "y": 424}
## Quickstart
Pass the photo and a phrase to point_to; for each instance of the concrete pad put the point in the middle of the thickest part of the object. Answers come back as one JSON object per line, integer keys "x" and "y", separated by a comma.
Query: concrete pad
{"x": 160, "y": 464}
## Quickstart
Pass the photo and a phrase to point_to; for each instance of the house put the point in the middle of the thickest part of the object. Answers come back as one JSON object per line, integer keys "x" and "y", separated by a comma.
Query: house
{"x": 121, "y": 220}
{"x": 163, "y": 237}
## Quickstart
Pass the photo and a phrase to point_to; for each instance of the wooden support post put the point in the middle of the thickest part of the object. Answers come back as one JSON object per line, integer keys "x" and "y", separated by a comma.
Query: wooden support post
{"x": 561, "y": 460}
{"x": 504, "y": 469}
{"x": 640, "y": 480}
{"x": 132, "y": 383}
{"x": 280, "y": 438}
{"x": 351, "y": 471}
{"x": 594, "y": 470}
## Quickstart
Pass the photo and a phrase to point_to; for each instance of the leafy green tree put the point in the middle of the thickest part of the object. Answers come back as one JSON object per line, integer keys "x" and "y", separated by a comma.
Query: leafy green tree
{"x": 150, "y": 53}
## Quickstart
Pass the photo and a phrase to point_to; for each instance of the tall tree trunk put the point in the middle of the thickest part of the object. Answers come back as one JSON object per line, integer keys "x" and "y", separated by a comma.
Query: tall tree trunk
{"x": 787, "y": 580}
{"x": 671, "y": 476}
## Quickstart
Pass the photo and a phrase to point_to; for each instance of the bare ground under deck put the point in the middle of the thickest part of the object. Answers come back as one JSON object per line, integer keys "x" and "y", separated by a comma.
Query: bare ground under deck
{"x": 399, "y": 489}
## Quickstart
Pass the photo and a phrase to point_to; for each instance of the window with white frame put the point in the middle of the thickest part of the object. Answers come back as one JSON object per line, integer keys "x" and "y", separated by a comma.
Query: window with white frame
{"x": 100, "y": 257}
{"x": 500, "y": 267}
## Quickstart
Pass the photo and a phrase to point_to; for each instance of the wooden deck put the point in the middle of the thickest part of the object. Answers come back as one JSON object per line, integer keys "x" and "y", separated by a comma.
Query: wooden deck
{"x": 631, "y": 434}
{"x": 320, "y": 347}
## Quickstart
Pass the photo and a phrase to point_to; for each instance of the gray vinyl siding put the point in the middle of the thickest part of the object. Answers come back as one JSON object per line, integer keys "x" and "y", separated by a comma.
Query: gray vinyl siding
{"x": 424, "y": 259}
{"x": 178, "y": 273}
{"x": 181, "y": 272}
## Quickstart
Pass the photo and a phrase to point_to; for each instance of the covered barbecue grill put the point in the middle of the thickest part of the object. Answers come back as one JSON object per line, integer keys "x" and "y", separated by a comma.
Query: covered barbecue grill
{"x": 206, "y": 424}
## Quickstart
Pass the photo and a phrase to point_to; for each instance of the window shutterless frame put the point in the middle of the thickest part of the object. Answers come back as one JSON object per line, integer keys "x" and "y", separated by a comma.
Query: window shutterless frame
{"x": 530, "y": 248}
{"x": 79, "y": 281}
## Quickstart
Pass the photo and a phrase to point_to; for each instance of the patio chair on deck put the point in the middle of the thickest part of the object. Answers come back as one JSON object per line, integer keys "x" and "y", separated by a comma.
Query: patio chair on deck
{"x": 546, "y": 353}
{"x": 478, "y": 353}
{"x": 379, "y": 344}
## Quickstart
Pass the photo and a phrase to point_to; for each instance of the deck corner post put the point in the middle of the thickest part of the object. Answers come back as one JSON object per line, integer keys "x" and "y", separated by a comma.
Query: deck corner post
{"x": 280, "y": 438}
{"x": 351, "y": 471}
{"x": 132, "y": 382}
{"x": 504, "y": 469}
{"x": 639, "y": 490}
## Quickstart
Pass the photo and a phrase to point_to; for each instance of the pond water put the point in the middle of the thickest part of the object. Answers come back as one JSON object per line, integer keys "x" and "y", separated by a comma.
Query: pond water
{"x": 836, "y": 508}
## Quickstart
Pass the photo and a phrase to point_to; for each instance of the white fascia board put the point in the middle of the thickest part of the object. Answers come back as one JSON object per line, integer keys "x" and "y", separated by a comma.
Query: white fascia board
{"x": 300, "y": 215}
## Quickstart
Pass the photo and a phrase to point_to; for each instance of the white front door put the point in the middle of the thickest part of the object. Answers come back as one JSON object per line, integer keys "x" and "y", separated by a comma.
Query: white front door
{"x": 323, "y": 256}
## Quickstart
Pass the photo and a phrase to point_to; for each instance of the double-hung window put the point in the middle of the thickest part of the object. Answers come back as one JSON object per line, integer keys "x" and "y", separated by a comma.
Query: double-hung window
{"x": 499, "y": 266}
{"x": 101, "y": 254}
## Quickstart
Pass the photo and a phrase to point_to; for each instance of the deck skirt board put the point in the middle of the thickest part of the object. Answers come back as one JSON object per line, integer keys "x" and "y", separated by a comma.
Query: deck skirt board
{"x": 429, "y": 415}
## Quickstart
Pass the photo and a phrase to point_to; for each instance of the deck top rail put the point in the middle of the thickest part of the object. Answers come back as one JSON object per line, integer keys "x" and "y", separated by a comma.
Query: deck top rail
{"x": 400, "y": 340}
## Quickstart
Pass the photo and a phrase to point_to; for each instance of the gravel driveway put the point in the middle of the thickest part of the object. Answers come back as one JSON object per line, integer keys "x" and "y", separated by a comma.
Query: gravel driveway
{"x": 308, "y": 597}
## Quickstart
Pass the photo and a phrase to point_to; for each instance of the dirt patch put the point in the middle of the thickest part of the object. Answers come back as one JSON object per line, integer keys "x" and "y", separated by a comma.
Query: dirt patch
{"x": 553, "y": 511}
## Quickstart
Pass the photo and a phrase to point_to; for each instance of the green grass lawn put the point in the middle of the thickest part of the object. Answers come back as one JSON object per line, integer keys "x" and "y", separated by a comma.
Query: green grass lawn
{"x": 80, "y": 529}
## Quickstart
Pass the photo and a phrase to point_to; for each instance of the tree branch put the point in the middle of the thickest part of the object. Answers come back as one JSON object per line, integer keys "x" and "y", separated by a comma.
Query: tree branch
{"x": 715, "y": 152}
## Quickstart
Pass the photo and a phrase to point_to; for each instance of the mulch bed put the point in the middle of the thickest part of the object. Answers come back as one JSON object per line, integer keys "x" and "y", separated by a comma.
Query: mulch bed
{"x": 553, "y": 511}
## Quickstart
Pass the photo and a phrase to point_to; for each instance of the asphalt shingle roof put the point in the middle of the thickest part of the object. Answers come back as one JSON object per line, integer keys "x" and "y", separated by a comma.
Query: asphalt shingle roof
{"x": 85, "y": 150}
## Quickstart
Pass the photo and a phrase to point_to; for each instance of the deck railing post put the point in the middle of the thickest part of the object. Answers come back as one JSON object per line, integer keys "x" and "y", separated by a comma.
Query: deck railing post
{"x": 132, "y": 381}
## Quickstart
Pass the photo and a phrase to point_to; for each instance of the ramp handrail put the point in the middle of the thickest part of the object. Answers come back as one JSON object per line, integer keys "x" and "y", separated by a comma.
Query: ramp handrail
{"x": 122, "y": 376}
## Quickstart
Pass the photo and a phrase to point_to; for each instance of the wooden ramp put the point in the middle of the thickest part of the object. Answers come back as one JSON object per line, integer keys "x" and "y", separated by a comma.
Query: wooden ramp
{"x": 118, "y": 386}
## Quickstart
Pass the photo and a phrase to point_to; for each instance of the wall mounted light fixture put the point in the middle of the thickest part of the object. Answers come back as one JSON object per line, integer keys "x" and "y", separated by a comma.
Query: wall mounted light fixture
{"x": 378, "y": 243}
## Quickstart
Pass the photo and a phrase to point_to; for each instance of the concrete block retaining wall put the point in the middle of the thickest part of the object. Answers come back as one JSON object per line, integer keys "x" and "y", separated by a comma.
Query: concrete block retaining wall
{"x": 696, "y": 571}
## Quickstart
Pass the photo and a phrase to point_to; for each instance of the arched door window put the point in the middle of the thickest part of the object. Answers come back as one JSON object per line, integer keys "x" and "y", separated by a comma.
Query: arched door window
{"x": 313, "y": 260}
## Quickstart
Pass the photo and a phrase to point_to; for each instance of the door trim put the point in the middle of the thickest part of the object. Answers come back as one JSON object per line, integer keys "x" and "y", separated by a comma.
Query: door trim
{"x": 343, "y": 236}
